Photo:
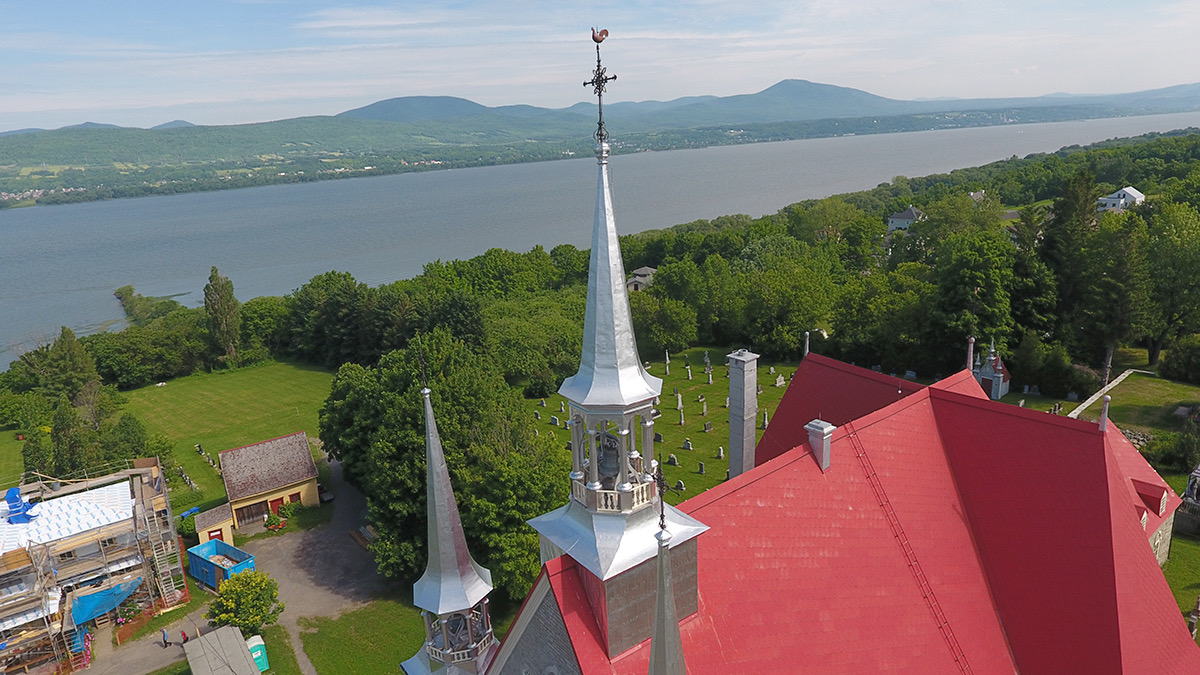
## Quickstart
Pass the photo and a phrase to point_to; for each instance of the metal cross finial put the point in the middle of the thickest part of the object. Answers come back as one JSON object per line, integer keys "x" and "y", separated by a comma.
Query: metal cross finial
{"x": 600, "y": 78}
{"x": 661, "y": 481}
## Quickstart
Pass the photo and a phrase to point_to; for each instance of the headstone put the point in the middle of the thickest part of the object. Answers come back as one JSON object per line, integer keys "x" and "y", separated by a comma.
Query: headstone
{"x": 679, "y": 485}
{"x": 668, "y": 355}
{"x": 687, "y": 444}
{"x": 1021, "y": 403}
{"x": 806, "y": 343}
{"x": 675, "y": 390}
{"x": 689, "y": 370}
{"x": 910, "y": 374}
{"x": 721, "y": 452}
{"x": 680, "y": 418}
{"x": 543, "y": 403}
{"x": 707, "y": 361}
{"x": 700, "y": 398}
{"x": 1035, "y": 391}
{"x": 726, "y": 401}
{"x": 1072, "y": 397}
{"x": 656, "y": 400}
{"x": 566, "y": 424}
{"x": 710, "y": 378}
{"x": 878, "y": 369}
{"x": 760, "y": 389}
{"x": 1025, "y": 389}
{"x": 704, "y": 409}
{"x": 554, "y": 420}
{"x": 708, "y": 427}
{"x": 779, "y": 381}
{"x": 726, "y": 474}
{"x": 672, "y": 460}
{"x": 701, "y": 468}
{"x": 537, "y": 432}
{"x": 537, "y": 415}
{"x": 657, "y": 437}
{"x": 772, "y": 370}
{"x": 562, "y": 406}
{"x": 679, "y": 401}
{"x": 1183, "y": 411}
{"x": 765, "y": 419}
{"x": 667, "y": 369}
{"x": 569, "y": 446}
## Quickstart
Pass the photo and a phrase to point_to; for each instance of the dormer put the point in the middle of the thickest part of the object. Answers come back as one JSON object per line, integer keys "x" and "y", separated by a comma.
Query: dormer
{"x": 1153, "y": 496}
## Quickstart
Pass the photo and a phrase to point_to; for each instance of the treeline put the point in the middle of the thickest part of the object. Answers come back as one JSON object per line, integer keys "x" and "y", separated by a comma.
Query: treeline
{"x": 1057, "y": 286}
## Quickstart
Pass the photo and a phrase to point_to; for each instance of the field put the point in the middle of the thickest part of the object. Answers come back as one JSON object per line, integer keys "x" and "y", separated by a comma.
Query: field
{"x": 228, "y": 409}
{"x": 1146, "y": 403}
{"x": 10, "y": 459}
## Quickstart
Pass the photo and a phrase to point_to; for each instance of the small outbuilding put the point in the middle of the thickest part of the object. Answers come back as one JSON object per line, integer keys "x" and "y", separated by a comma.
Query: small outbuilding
{"x": 641, "y": 278}
{"x": 220, "y": 652}
{"x": 215, "y": 561}
{"x": 904, "y": 219}
{"x": 259, "y": 478}
{"x": 215, "y": 523}
{"x": 1120, "y": 200}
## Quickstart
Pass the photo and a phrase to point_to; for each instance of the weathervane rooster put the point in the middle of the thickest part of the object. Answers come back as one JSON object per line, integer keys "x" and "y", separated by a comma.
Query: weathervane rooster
{"x": 599, "y": 79}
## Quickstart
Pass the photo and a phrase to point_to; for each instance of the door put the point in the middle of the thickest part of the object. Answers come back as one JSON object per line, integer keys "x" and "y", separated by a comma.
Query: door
{"x": 986, "y": 383}
{"x": 218, "y": 534}
{"x": 275, "y": 504}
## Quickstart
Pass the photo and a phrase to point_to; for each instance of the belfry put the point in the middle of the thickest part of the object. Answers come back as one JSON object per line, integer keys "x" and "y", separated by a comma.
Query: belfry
{"x": 609, "y": 523}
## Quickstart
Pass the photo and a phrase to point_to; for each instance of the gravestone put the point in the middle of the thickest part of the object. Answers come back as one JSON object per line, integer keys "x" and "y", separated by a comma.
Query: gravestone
{"x": 760, "y": 389}
{"x": 569, "y": 446}
{"x": 566, "y": 424}
{"x": 680, "y": 418}
{"x": 688, "y": 367}
{"x": 721, "y": 452}
{"x": 700, "y": 398}
{"x": 679, "y": 485}
{"x": 772, "y": 370}
{"x": 701, "y": 468}
{"x": 910, "y": 374}
{"x": 726, "y": 474}
{"x": 1025, "y": 389}
{"x": 726, "y": 401}
{"x": 562, "y": 406}
{"x": 765, "y": 419}
{"x": 687, "y": 444}
{"x": 676, "y": 390}
{"x": 1035, "y": 391}
{"x": 708, "y": 427}
{"x": 668, "y": 356}
{"x": 543, "y": 403}
{"x": 537, "y": 415}
{"x": 657, "y": 437}
{"x": 710, "y": 378}
{"x": 672, "y": 460}
{"x": 554, "y": 420}
{"x": 707, "y": 361}
{"x": 779, "y": 381}
{"x": 1021, "y": 403}
{"x": 667, "y": 369}
{"x": 679, "y": 401}
{"x": 1073, "y": 397}
{"x": 704, "y": 409}
{"x": 537, "y": 432}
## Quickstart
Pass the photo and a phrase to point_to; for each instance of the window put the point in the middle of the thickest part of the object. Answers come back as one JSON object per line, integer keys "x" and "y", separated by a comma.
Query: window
{"x": 108, "y": 543}
{"x": 67, "y": 556}
{"x": 294, "y": 497}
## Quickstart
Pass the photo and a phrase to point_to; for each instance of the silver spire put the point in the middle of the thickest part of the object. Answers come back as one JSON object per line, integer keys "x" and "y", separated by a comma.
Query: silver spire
{"x": 453, "y": 581}
{"x": 666, "y": 646}
{"x": 610, "y": 371}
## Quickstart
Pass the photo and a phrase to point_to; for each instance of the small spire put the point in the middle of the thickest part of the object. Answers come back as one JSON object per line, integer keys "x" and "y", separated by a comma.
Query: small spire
{"x": 453, "y": 581}
{"x": 666, "y": 645}
{"x": 600, "y": 78}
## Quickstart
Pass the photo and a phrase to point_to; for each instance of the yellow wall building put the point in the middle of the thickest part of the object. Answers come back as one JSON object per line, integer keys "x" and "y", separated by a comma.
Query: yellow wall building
{"x": 262, "y": 477}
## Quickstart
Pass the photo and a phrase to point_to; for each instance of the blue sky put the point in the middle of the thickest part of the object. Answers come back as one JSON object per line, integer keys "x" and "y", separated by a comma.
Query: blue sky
{"x": 141, "y": 63}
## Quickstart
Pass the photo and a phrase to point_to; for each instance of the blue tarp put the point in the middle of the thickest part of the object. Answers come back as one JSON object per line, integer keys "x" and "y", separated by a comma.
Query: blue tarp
{"x": 87, "y": 607}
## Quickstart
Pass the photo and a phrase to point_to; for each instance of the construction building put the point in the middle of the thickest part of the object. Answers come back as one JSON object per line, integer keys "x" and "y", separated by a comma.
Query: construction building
{"x": 72, "y": 552}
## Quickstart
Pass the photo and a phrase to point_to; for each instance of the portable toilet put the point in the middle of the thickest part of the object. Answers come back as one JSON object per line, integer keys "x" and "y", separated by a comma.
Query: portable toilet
{"x": 258, "y": 651}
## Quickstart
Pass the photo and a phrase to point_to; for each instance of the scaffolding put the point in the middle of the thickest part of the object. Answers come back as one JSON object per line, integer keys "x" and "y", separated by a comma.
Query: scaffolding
{"x": 40, "y": 578}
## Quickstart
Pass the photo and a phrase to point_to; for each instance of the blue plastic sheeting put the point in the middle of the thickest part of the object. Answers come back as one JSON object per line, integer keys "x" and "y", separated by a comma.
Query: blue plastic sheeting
{"x": 87, "y": 607}
{"x": 77, "y": 641}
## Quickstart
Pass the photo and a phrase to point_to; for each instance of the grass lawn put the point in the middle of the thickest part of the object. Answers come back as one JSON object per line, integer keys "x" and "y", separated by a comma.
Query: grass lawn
{"x": 1183, "y": 572}
{"x": 1146, "y": 403}
{"x": 374, "y": 639}
{"x": 280, "y": 652}
{"x": 228, "y": 409}
{"x": 11, "y": 466}
{"x": 704, "y": 445}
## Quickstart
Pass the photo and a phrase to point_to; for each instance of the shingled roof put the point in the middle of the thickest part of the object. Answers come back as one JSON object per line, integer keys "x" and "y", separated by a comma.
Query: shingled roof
{"x": 932, "y": 544}
{"x": 254, "y": 469}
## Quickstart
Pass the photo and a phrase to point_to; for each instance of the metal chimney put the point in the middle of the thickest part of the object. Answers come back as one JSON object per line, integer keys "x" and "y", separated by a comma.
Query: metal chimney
{"x": 743, "y": 410}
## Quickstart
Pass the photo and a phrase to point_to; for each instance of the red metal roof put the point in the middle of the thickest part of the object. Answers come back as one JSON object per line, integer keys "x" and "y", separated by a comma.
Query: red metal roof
{"x": 832, "y": 391}
{"x": 950, "y": 534}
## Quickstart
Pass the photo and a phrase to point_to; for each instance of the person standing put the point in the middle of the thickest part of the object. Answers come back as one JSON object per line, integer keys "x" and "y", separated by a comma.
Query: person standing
{"x": 166, "y": 642}
{"x": 184, "y": 634}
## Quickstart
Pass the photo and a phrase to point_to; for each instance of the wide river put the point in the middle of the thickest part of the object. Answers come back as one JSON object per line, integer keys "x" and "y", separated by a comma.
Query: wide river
{"x": 59, "y": 265}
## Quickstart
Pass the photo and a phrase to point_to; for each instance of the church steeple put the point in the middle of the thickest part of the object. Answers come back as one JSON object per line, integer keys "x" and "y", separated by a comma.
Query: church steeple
{"x": 452, "y": 593}
{"x": 666, "y": 647}
{"x": 609, "y": 521}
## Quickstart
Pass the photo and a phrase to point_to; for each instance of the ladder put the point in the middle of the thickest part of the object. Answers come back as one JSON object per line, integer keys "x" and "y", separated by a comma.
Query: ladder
{"x": 161, "y": 552}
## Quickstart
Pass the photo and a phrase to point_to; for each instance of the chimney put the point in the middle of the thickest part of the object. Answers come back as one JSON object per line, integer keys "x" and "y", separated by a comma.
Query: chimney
{"x": 743, "y": 410}
{"x": 970, "y": 352}
{"x": 820, "y": 433}
{"x": 1104, "y": 413}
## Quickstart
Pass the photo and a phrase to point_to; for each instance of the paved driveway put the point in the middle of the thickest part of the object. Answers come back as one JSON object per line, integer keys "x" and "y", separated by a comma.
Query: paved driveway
{"x": 320, "y": 573}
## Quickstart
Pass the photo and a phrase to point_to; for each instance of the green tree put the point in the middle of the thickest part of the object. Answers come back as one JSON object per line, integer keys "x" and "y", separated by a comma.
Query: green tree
{"x": 373, "y": 422}
{"x": 224, "y": 316}
{"x": 1116, "y": 298}
{"x": 264, "y": 323}
{"x": 61, "y": 368}
{"x": 248, "y": 600}
{"x": 973, "y": 273}
{"x": 1173, "y": 259}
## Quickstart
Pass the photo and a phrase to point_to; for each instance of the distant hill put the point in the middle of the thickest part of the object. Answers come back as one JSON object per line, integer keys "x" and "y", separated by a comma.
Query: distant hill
{"x": 417, "y": 133}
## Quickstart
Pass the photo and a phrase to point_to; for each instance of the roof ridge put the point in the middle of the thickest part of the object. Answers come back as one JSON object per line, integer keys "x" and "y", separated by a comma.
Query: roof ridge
{"x": 277, "y": 438}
